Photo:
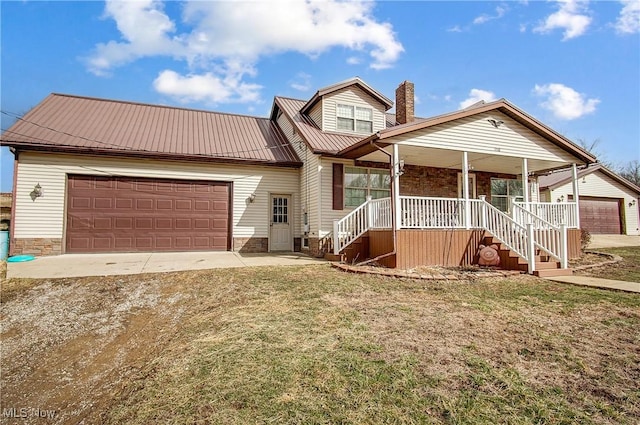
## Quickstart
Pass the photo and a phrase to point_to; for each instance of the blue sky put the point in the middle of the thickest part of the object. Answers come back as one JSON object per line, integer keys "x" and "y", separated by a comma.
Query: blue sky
{"x": 573, "y": 64}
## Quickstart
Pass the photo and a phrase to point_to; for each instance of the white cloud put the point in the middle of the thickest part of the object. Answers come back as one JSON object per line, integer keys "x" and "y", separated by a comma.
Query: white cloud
{"x": 629, "y": 20}
{"x": 484, "y": 18}
{"x": 301, "y": 82}
{"x": 564, "y": 102}
{"x": 455, "y": 28}
{"x": 571, "y": 16}
{"x": 205, "y": 87}
{"x": 475, "y": 96}
{"x": 353, "y": 60}
{"x": 226, "y": 39}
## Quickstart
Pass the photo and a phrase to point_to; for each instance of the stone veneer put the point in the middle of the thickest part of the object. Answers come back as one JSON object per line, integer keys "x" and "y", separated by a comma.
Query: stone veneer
{"x": 36, "y": 246}
{"x": 251, "y": 244}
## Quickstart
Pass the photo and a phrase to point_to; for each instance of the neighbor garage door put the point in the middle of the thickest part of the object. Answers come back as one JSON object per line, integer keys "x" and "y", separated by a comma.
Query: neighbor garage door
{"x": 600, "y": 215}
{"x": 122, "y": 214}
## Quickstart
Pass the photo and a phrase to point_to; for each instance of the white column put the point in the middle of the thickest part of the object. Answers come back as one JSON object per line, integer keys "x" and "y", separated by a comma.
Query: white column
{"x": 395, "y": 159}
{"x": 525, "y": 182}
{"x": 465, "y": 189}
{"x": 576, "y": 195}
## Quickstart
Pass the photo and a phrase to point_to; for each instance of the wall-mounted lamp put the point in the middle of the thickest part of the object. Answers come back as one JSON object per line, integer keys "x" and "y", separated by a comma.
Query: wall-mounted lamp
{"x": 495, "y": 123}
{"x": 632, "y": 203}
{"x": 36, "y": 192}
{"x": 584, "y": 179}
{"x": 561, "y": 198}
{"x": 252, "y": 197}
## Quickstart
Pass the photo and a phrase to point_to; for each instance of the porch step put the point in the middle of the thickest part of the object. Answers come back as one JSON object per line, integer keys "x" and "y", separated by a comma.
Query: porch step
{"x": 329, "y": 256}
{"x": 552, "y": 272}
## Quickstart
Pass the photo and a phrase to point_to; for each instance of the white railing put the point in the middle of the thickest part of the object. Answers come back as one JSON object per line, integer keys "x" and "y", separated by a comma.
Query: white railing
{"x": 439, "y": 213}
{"x": 556, "y": 213}
{"x": 350, "y": 227}
{"x": 379, "y": 211}
{"x": 547, "y": 237}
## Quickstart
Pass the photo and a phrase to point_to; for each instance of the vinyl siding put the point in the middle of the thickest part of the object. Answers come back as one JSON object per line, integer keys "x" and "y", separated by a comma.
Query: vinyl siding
{"x": 327, "y": 213}
{"x": 44, "y": 218}
{"x": 316, "y": 114}
{"x": 598, "y": 185}
{"x": 475, "y": 134}
{"x": 351, "y": 96}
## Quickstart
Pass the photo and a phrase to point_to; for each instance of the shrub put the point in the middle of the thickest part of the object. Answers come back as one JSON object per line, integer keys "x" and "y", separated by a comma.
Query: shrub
{"x": 585, "y": 238}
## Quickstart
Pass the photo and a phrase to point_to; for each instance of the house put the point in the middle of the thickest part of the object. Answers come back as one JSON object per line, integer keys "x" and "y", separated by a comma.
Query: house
{"x": 609, "y": 204}
{"x": 336, "y": 173}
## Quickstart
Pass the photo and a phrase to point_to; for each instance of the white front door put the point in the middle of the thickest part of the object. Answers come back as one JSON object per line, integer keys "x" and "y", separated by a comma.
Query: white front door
{"x": 280, "y": 234}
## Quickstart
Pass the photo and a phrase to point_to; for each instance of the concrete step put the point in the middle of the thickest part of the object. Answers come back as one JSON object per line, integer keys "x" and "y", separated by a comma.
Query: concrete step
{"x": 553, "y": 272}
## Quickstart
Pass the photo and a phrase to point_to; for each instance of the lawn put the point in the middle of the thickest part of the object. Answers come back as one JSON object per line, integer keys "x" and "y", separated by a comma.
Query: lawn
{"x": 628, "y": 269}
{"x": 305, "y": 345}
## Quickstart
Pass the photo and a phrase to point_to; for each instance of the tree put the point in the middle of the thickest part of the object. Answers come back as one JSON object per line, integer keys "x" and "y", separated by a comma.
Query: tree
{"x": 631, "y": 171}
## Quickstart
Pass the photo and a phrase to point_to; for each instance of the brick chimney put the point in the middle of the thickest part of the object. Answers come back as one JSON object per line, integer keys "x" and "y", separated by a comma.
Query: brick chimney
{"x": 404, "y": 102}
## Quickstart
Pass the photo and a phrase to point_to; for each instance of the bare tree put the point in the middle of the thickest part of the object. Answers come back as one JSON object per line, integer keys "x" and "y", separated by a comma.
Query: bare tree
{"x": 631, "y": 171}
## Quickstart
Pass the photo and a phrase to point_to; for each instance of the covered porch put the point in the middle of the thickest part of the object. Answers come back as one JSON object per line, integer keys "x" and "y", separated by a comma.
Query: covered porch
{"x": 430, "y": 220}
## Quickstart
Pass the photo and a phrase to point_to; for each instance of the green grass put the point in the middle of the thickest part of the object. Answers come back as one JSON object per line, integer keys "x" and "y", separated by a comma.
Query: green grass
{"x": 317, "y": 346}
{"x": 627, "y": 270}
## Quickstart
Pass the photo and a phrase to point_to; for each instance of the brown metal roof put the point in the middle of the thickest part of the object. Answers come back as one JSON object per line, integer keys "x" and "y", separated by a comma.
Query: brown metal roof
{"x": 559, "y": 178}
{"x": 319, "y": 141}
{"x": 364, "y": 146}
{"x": 74, "y": 123}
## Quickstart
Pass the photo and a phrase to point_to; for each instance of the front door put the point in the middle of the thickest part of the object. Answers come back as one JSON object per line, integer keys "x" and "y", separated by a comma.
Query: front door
{"x": 280, "y": 234}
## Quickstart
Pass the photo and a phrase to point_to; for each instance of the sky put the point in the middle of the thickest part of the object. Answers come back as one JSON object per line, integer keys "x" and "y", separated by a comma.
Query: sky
{"x": 572, "y": 64}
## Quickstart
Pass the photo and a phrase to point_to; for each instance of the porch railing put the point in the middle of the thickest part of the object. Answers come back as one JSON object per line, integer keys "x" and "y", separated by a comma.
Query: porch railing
{"x": 554, "y": 213}
{"x": 379, "y": 213}
{"x": 547, "y": 237}
{"x": 350, "y": 227}
{"x": 428, "y": 213}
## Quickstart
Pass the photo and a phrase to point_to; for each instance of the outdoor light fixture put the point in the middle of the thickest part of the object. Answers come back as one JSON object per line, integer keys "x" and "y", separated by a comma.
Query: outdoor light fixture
{"x": 495, "y": 123}
{"x": 632, "y": 203}
{"x": 561, "y": 198}
{"x": 252, "y": 197}
{"x": 36, "y": 192}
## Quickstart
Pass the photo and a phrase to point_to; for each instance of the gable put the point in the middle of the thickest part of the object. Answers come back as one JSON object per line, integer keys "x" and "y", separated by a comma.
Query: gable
{"x": 351, "y": 96}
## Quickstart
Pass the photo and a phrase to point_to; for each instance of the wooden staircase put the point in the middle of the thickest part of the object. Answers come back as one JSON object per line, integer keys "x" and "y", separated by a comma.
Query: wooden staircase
{"x": 509, "y": 260}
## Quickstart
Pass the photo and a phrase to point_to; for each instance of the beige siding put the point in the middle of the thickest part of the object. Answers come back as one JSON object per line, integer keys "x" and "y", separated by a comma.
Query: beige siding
{"x": 316, "y": 114}
{"x": 44, "y": 218}
{"x": 475, "y": 134}
{"x": 327, "y": 213}
{"x": 351, "y": 96}
{"x": 599, "y": 185}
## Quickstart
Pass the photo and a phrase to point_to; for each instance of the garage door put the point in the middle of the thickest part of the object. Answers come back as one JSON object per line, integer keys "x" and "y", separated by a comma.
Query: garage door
{"x": 600, "y": 215}
{"x": 122, "y": 214}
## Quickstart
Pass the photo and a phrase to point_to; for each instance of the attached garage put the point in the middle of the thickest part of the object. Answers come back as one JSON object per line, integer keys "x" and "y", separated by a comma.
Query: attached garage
{"x": 601, "y": 215}
{"x": 125, "y": 214}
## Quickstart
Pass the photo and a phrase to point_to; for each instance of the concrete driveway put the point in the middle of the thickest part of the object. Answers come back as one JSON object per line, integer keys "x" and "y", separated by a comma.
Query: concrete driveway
{"x": 613, "y": 241}
{"x": 77, "y": 265}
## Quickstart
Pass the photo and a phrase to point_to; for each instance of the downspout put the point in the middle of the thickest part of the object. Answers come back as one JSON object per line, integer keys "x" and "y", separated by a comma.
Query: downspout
{"x": 393, "y": 212}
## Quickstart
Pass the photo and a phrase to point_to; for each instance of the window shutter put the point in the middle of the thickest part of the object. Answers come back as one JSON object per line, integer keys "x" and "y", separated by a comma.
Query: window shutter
{"x": 338, "y": 186}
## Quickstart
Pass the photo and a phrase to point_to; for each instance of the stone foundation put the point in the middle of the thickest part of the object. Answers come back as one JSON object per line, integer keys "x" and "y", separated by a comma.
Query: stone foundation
{"x": 36, "y": 246}
{"x": 251, "y": 244}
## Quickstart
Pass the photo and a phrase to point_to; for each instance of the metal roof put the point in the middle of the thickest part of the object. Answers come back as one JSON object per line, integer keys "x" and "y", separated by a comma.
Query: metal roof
{"x": 319, "y": 141}
{"x": 559, "y": 178}
{"x": 75, "y": 123}
{"x": 306, "y": 107}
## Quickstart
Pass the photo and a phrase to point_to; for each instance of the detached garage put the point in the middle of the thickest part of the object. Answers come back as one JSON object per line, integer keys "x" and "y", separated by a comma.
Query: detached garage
{"x": 123, "y": 214}
{"x": 608, "y": 203}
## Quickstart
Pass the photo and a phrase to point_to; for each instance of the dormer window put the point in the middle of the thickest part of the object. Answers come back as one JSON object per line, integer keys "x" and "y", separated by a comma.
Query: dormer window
{"x": 354, "y": 118}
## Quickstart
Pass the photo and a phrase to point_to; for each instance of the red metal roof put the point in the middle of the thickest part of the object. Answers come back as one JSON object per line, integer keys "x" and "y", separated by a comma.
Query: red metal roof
{"x": 319, "y": 141}
{"x": 75, "y": 123}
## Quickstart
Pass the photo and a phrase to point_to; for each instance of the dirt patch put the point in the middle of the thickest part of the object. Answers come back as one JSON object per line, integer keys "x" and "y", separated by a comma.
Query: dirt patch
{"x": 429, "y": 272}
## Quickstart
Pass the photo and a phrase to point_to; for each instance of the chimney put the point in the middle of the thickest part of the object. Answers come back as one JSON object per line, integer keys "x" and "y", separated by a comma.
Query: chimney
{"x": 404, "y": 102}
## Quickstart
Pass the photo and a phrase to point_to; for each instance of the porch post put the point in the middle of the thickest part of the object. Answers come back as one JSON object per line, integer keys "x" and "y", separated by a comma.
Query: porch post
{"x": 576, "y": 195}
{"x": 465, "y": 189}
{"x": 395, "y": 159}
{"x": 525, "y": 182}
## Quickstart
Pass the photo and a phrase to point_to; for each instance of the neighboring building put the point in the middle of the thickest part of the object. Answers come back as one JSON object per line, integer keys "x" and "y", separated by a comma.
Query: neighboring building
{"x": 609, "y": 204}
{"x": 122, "y": 176}
{"x": 5, "y": 210}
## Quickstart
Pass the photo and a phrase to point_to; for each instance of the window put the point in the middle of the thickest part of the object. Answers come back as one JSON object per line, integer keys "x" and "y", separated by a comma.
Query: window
{"x": 362, "y": 182}
{"x": 502, "y": 190}
{"x": 354, "y": 118}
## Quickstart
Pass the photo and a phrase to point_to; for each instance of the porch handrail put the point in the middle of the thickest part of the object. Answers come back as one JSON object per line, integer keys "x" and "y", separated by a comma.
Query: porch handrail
{"x": 350, "y": 227}
{"x": 556, "y": 213}
{"x": 516, "y": 237}
{"x": 419, "y": 212}
{"x": 379, "y": 211}
{"x": 547, "y": 237}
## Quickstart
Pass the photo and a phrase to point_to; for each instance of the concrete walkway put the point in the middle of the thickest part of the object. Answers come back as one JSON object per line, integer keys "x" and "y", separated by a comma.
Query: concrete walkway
{"x": 613, "y": 241}
{"x": 598, "y": 283}
{"x": 78, "y": 265}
